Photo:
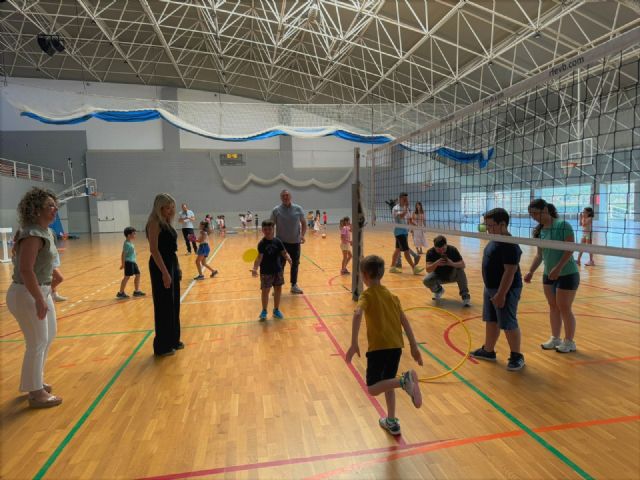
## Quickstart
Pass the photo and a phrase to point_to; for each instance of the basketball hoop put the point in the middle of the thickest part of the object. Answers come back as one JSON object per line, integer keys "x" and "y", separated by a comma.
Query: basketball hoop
{"x": 568, "y": 167}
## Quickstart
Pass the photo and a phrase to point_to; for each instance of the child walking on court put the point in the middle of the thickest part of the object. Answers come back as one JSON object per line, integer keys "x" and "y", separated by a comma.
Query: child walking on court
{"x": 586, "y": 222}
{"x": 345, "y": 244}
{"x": 203, "y": 251}
{"x": 128, "y": 263}
{"x": 271, "y": 251}
{"x": 385, "y": 320}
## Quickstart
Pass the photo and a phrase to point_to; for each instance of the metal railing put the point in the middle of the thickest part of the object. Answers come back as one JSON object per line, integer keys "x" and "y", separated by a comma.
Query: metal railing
{"x": 11, "y": 168}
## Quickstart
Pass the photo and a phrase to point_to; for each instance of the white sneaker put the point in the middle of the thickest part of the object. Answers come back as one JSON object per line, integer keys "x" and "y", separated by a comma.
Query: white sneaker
{"x": 566, "y": 346}
{"x": 438, "y": 295}
{"x": 296, "y": 289}
{"x": 466, "y": 302}
{"x": 58, "y": 298}
{"x": 551, "y": 344}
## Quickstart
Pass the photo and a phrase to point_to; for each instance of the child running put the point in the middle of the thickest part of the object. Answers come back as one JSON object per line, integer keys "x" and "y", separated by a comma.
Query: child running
{"x": 385, "y": 320}
{"x": 203, "y": 251}
{"x": 345, "y": 244}
{"x": 270, "y": 253}
{"x": 128, "y": 263}
{"x": 586, "y": 222}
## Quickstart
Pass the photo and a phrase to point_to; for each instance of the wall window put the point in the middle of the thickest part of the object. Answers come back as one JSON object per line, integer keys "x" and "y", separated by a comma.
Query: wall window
{"x": 569, "y": 199}
{"x": 620, "y": 198}
{"x": 473, "y": 203}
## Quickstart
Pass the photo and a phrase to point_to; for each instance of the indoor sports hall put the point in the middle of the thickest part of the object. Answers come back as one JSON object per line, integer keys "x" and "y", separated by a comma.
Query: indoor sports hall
{"x": 152, "y": 139}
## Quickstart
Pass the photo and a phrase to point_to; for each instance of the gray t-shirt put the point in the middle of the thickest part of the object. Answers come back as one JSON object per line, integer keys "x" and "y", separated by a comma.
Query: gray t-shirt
{"x": 43, "y": 267}
{"x": 287, "y": 222}
{"x": 186, "y": 216}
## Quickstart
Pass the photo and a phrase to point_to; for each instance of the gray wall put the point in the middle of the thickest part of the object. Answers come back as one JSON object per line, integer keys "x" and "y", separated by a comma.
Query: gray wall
{"x": 191, "y": 176}
{"x": 48, "y": 149}
{"x": 11, "y": 191}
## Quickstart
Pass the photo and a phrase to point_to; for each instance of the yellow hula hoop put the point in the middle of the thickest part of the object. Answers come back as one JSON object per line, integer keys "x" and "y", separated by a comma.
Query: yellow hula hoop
{"x": 464, "y": 359}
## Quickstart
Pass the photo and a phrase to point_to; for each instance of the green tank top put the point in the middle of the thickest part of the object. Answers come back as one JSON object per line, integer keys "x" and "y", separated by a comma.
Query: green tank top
{"x": 559, "y": 230}
{"x": 43, "y": 266}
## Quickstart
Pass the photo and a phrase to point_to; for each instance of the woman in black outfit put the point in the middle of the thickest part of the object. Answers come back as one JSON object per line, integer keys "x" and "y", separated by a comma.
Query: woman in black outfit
{"x": 165, "y": 275}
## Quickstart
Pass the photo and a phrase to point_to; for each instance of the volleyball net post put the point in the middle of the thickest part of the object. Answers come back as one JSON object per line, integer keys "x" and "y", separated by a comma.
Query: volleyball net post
{"x": 357, "y": 227}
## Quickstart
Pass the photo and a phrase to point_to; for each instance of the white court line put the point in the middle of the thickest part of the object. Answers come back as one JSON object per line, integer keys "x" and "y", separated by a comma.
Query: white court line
{"x": 193, "y": 282}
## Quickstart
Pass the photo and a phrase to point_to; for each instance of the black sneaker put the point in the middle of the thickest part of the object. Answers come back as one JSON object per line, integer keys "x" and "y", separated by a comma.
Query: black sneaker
{"x": 391, "y": 425}
{"x": 138, "y": 293}
{"x": 482, "y": 354}
{"x": 121, "y": 295}
{"x": 179, "y": 346}
{"x": 516, "y": 362}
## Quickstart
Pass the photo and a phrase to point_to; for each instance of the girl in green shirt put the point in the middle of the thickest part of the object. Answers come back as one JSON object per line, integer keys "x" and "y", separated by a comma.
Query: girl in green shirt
{"x": 560, "y": 278}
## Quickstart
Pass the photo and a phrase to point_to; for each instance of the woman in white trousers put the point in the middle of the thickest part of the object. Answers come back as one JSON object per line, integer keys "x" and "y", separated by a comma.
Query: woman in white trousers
{"x": 29, "y": 296}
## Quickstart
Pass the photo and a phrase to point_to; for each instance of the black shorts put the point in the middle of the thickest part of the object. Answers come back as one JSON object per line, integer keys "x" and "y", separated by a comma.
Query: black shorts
{"x": 563, "y": 282}
{"x": 131, "y": 269}
{"x": 382, "y": 365}
{"x": 402, "y": 242}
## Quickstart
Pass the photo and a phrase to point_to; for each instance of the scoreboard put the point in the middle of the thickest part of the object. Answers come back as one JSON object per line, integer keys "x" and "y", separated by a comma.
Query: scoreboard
{"x": 231, "y": 159}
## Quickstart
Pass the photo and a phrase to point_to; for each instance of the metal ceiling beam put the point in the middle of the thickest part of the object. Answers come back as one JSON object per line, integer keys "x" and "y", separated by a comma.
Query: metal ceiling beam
{"x": 109, "y": 35}
{"x": 412, "y": 50}
{"x": 163, "y": 41}
{"x": 506, "y": 45}
{"x": 354, "y": 33}
{"x": 31, "y": 13}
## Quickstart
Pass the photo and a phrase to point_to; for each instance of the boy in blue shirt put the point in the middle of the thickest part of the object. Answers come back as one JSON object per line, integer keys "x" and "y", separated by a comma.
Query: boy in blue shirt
{"x": 502, "y": 288}
{"x": 271, "y": 252}
{"x": 128, "y": 263}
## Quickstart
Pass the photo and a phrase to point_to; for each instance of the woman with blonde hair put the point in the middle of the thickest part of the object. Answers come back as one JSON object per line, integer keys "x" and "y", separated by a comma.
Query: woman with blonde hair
{"x": 29, "y": 296}
{"x": 165, "y": 275}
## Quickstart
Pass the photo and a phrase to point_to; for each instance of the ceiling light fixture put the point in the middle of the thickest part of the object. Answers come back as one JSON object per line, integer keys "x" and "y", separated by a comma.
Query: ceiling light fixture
{"x": 50, "y": 44}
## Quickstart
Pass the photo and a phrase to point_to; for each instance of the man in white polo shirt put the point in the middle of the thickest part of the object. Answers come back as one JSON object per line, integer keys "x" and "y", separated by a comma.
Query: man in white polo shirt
{"x": 186, "y": 219}
{"x": 290, "y": 229}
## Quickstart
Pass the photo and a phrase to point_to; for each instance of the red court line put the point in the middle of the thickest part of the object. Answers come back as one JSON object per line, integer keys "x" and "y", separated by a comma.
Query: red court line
{"x": 279, "y": 463}
{"x": 350, "y": 366}
{"x": 465, "y": 441}
{"x": 450, "y": 343}
{"x": 609, "y": 289}
{"x": 10, "y": 333}
{"x": 603, "y": 360}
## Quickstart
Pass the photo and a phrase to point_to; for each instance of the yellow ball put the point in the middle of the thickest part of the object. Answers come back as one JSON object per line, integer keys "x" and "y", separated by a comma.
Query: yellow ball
{"x": 482, "y": 228}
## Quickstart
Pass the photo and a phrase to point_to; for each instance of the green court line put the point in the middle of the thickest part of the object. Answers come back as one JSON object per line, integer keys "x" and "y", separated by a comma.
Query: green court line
{"x": 512, "y": 418}
{"x": 124, "y": 332}
{"x": 45, "y": 468}
{"x": 313, "y": 262}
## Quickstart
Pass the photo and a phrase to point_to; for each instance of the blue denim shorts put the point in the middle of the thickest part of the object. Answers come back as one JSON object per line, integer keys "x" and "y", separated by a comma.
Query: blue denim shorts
{"x": 506, "y": 317}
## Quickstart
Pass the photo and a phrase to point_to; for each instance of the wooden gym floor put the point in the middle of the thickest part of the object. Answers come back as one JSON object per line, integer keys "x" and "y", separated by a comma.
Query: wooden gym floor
{"x": 246, "y": 399}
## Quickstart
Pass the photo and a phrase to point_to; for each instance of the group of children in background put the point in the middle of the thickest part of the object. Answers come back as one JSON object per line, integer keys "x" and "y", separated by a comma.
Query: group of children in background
{"x": 317, "y": 222}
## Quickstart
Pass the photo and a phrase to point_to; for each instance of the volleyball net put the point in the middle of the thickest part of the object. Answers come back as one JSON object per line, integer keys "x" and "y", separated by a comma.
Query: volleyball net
{"x": 569, "y": 134}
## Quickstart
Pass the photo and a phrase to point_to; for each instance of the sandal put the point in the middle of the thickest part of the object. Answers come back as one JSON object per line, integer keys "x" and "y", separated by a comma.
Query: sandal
{"x": 51, "y": 401}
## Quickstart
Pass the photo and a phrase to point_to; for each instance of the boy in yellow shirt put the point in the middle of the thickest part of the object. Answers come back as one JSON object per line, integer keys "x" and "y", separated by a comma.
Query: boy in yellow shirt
{"x": 385, "y": 320}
